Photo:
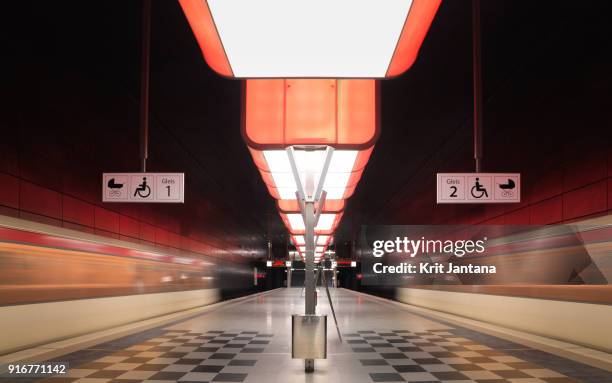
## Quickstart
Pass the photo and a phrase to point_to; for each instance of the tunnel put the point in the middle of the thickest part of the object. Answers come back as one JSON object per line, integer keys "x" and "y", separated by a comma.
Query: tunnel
{"x": 324, "y": 191}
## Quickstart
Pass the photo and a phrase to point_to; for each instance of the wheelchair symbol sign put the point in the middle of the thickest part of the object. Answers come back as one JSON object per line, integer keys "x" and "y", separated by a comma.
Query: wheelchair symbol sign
{"x": 143, "y": 187}
{"x": 143, "y": 190}
{"x": 478, "y": 188}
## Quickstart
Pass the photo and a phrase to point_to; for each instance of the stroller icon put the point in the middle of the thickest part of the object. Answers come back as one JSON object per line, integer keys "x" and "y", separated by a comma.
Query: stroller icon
{"x": 143, "y": 190}
{"x": 114, "y": 188}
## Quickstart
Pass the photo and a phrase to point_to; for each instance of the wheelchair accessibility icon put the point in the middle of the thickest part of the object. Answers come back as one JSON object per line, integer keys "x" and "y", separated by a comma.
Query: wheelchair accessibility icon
{"x": 478, "y": 190}
{"x": 143, "y": 190}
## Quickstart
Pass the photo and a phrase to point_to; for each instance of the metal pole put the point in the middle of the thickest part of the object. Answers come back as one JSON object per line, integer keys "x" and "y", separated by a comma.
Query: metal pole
{"x": 477, "y": 77}
{"x": 144, "y": 83}
{"x": 307, "y": 197}
{"x": 310, "y": 298}
{"x": 331, "y": 305}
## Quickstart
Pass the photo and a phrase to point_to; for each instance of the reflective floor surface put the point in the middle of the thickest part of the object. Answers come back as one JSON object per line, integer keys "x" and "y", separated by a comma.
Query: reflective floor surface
{"x": 250, "y": 341}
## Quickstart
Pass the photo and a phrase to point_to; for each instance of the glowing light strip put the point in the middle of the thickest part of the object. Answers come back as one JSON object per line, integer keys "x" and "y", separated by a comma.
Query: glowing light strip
{"x": 318, "y": 38}
{"x": 336, "y": 181}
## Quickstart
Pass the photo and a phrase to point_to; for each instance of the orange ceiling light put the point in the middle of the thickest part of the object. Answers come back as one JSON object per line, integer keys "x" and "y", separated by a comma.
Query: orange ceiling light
{"x": 341, "y": 113}
{"x": 292, "y": 205}
{"x": 310, "y": 116}
{"x": 203, "y": 27}
{"x": 310, "y": 102}
{"x": 313, "y": 114}
{"x": 314, "y": 39}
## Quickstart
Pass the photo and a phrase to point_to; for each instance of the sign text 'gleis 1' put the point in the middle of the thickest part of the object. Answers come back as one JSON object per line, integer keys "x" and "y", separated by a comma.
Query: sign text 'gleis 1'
{"x": 143, "y": 187}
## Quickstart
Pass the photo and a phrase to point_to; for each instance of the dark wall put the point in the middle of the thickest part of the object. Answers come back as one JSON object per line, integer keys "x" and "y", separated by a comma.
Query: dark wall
{"x": 547, "y": 91}
{"x": 70, "y": 112}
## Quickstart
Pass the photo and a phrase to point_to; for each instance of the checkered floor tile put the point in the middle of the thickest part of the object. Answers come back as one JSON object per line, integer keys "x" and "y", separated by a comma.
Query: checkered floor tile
{"x": 441, "y": 356}
{"x": 177, "y": 356}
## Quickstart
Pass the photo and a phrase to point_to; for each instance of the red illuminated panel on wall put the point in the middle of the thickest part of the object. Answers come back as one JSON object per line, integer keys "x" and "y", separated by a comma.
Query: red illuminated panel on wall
{"x": 339, "y": 113}
{"x": 201, "y": 22}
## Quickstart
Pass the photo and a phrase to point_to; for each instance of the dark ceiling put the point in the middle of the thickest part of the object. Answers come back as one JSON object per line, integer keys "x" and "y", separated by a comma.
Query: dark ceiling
{"x": 425, "y": 113}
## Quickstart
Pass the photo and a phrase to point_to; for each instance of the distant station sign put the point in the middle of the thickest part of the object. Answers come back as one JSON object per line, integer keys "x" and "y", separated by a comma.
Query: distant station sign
{"x": 478, "y": 187}
{"x": 143, "y": 187}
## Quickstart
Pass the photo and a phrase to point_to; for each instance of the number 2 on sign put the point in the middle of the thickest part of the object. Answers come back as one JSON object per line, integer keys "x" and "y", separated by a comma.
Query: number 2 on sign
{"x": 454, "y": 193}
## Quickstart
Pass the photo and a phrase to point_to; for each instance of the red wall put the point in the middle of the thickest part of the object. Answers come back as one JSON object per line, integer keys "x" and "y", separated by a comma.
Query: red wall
{"x": 24, "y": 199}
{"x": 556, "y": 188}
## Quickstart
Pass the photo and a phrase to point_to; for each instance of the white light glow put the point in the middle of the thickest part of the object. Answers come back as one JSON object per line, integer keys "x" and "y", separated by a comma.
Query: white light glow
{"x": 317, "y": 38}
{"x": 299, "y": 240}
{"x": 318, "y": 249}
{"x": 311, "y": 162}
{"x": 342, "y": 161}
{"x": 326, "y": 222}
{"x": 277, "y": 161}
{"x": 353, "y": 263}
{"x": 322, "y": 239}
{"x": 288, "y": 263}
{"x": 269, "y": 263}
{"x": 296, "y": 222}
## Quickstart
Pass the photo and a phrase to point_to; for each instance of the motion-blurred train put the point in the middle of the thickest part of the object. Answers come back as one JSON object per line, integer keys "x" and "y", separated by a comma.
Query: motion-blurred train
{"x": 57, "y": 283}
{"x": 570, "y": 261}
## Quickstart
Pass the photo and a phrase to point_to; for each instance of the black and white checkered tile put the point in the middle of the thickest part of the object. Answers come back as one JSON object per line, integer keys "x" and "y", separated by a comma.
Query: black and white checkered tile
{"x": 441, "y": 357}
{"x": 177, "y": 356}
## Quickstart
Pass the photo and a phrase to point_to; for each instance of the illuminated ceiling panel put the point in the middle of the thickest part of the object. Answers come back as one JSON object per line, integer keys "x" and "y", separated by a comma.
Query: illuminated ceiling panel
{"x": 315, "y": 38}
{"x": 311, "y": 162}
{"x": 326, "y": 222}
{"x": 310, "y": 39}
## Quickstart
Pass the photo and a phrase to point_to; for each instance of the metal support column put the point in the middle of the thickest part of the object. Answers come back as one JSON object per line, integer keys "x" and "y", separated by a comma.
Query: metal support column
{"x": 309, "y": 281}
{"x": 144, "y": 84}
{"x": 477, "y": 79}
{"x": 335, "y": 277}
{"x": 311, "y": 199}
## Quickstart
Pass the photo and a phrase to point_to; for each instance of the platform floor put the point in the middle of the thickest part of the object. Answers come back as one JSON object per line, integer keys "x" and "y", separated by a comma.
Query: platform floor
{"x": 249, "y": 342}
